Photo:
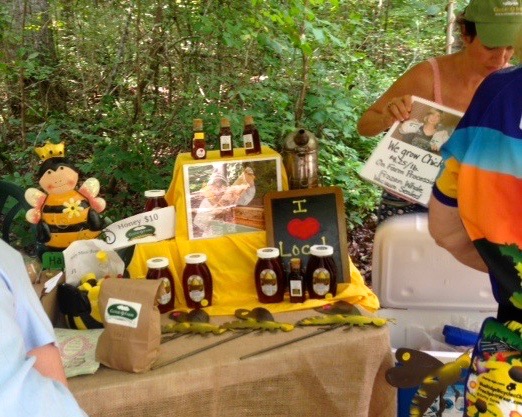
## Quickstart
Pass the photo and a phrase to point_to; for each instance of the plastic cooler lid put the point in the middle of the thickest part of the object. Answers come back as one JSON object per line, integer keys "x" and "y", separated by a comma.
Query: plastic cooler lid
{"x": 409, "y": 270}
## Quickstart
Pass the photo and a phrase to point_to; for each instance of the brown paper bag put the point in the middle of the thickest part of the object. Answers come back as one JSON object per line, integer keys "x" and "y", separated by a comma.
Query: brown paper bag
{"x": 132, "y": 335}
{"x": 49, "y": 299}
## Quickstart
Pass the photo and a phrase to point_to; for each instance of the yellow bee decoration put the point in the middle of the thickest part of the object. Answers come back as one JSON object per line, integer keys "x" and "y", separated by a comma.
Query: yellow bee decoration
{"x": 61, "y": 213}
{"x": 431, "y": 375}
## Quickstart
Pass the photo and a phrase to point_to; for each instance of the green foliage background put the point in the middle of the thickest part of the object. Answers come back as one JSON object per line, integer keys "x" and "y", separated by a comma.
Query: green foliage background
{"x": 120, "y": 81}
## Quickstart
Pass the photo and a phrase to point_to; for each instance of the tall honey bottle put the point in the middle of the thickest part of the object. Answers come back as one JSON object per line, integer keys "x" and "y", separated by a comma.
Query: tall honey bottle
{"x": 199, "y": 146}
{"x": 251, "y": 140}
{"x": 226, "y": 146}
{"x": 296, "y": 282}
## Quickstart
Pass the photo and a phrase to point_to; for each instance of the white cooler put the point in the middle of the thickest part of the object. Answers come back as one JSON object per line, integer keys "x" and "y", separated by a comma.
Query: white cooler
{"x": 424, "y": 288}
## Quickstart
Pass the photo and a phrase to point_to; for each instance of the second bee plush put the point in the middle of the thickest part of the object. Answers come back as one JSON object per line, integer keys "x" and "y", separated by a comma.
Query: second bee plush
{"x": 62, "y": 213}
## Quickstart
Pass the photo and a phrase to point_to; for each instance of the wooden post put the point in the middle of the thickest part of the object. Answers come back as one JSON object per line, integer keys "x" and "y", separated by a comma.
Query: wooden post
{"x": 450, "y": 40}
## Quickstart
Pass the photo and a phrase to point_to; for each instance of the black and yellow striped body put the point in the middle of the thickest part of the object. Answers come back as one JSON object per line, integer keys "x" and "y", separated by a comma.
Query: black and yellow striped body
{"x": 66, "y": 216}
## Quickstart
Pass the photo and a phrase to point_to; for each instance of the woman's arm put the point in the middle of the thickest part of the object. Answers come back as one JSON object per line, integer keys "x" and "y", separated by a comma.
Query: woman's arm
{"x": 49, "y": 363}
{"x": 395, "y": 103}
{"x": 445, "y": 226}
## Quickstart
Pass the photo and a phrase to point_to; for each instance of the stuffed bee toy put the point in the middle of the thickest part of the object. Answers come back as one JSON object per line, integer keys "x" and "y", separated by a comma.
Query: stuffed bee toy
{"x": 61, "y": 213}
{"x": 79, "y": 304}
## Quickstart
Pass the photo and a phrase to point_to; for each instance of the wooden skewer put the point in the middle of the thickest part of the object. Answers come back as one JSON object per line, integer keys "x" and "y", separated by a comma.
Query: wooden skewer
{"x": 202, "y": 349}
{"x": 289, "y": 342}
{"x": 168, "y": 337}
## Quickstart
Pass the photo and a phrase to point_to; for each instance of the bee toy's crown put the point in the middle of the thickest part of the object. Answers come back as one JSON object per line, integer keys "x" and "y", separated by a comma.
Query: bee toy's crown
{"x": 50, "y": 150}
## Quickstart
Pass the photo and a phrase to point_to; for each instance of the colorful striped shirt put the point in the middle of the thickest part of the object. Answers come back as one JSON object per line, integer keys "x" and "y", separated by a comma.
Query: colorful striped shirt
{"x": 482, "y": 176}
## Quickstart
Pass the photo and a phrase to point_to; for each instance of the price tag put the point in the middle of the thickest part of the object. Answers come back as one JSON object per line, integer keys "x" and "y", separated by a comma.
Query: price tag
{"x": 151, "y": 226}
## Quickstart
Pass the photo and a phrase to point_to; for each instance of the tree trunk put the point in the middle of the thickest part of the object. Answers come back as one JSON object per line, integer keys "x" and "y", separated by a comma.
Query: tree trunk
{"x": 305, "y": 60}
{"x": 39, "y": 53}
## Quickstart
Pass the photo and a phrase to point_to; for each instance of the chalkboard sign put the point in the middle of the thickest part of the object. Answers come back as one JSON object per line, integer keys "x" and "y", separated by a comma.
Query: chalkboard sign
{"x": 297, "y": 219}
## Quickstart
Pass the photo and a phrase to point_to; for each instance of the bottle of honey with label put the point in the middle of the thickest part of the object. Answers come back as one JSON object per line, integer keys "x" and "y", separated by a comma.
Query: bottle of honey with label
{"x": 197, "y": 281}
{"x": 321, "y": 272}
{"x": 251, "y": 140}
{"x": 269, "y": 276}
{"x": 296, "y": 282}
{"x": 199, "y": 146}
{"x": 158, "y": 268}
{"x": 226, "y": 146}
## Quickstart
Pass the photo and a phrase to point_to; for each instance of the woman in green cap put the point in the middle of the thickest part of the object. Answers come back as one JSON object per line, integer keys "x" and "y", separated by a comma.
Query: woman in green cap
{"x": 488, "y": 29}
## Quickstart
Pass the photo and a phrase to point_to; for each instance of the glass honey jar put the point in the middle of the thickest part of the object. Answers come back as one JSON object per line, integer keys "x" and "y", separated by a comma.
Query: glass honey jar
{"x": 269, "y": 276}
{"x": 321, "y": 272}
{"x": 197, "y": 281}
{"x": 158, "y": 268}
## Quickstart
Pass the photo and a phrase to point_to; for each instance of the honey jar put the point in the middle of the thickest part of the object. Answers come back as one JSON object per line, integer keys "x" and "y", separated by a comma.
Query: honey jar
{"x": 158, "y": 268}
{"x": 321, "y": 272}
{"x": 155, "y": 200}
{"x": 269, "y": 276}
{"x": 197, "y": 281}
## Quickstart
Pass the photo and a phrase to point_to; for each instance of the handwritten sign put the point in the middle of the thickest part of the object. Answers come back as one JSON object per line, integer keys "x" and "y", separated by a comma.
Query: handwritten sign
{"x": 406, "y": 161}
{"x": 297, "y": 219}
{"x": 53, "y": 260}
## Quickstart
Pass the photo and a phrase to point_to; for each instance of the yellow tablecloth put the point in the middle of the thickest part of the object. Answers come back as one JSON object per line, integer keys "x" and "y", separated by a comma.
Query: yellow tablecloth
{"x": 231, "y": 258}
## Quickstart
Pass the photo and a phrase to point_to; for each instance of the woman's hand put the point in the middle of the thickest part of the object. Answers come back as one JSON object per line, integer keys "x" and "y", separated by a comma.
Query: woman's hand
{"x": 383, "y": 114}
{"x": 398, "y": 108}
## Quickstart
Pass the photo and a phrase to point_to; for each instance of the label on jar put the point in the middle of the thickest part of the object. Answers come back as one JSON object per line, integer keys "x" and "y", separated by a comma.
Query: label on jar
{"x": 321, "y": 281}
{"x": 196, "y": 288}
{"x": 248, "y": 141}
{"x": 225, "y": 142}
{"x": 166, "y": 296}
{"x": 268, "y": 280}
{"x": 296, "y": 288}
{"x": 200, "y": 152}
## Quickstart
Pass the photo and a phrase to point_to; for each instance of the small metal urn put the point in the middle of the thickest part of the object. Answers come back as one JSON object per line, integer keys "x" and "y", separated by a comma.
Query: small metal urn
{"x": 300, "y": 159}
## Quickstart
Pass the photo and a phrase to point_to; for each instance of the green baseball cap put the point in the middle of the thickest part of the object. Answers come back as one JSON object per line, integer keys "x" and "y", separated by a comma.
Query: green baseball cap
{"x": 497, "y": 21}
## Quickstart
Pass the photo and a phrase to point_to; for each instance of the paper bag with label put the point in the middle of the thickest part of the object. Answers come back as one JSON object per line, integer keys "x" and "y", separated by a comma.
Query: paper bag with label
{"x": 132, "y": 335}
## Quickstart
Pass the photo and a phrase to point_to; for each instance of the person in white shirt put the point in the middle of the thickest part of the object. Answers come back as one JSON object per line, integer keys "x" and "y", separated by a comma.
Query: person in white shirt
{"x": 32, "y": 378}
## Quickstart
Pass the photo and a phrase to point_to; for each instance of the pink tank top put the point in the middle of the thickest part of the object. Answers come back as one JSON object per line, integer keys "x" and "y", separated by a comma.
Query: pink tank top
{"x": 437, "y": 93}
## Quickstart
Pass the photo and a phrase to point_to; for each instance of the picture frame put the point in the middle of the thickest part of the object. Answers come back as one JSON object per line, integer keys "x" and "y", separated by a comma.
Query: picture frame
{"x": 407, "y": 160}
{"x": 225, "y": 197}
{"x": 297, "y": 219}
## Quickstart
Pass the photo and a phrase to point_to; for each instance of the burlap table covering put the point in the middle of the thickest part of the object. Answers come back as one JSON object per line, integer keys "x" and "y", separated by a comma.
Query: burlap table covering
{"x": 340, "y": 373}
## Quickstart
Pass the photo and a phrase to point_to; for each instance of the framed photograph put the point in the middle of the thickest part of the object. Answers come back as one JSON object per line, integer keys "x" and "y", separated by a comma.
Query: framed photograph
{"x": 430, "y": 125}
{"x": 226, "y": 197}
{"x": 298, "y": 219}
{"x": 407, "y": 159}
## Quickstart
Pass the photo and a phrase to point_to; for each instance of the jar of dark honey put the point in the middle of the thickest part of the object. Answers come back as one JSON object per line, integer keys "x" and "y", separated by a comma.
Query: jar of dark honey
{"x": 155, "y": 200}
{"x": 269, "y": 276}
{"x": 158, "y": 268}
{"x": 197, "y": 281}
{"x": 321, "y": 272}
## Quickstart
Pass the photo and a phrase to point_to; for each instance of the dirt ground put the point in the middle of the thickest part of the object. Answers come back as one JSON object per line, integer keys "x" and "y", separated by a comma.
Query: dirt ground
{"x": 360, "y": 246}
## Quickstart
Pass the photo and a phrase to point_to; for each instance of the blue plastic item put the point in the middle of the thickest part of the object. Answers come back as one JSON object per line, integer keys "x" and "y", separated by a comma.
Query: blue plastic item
{"x": 459, "y": 337}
